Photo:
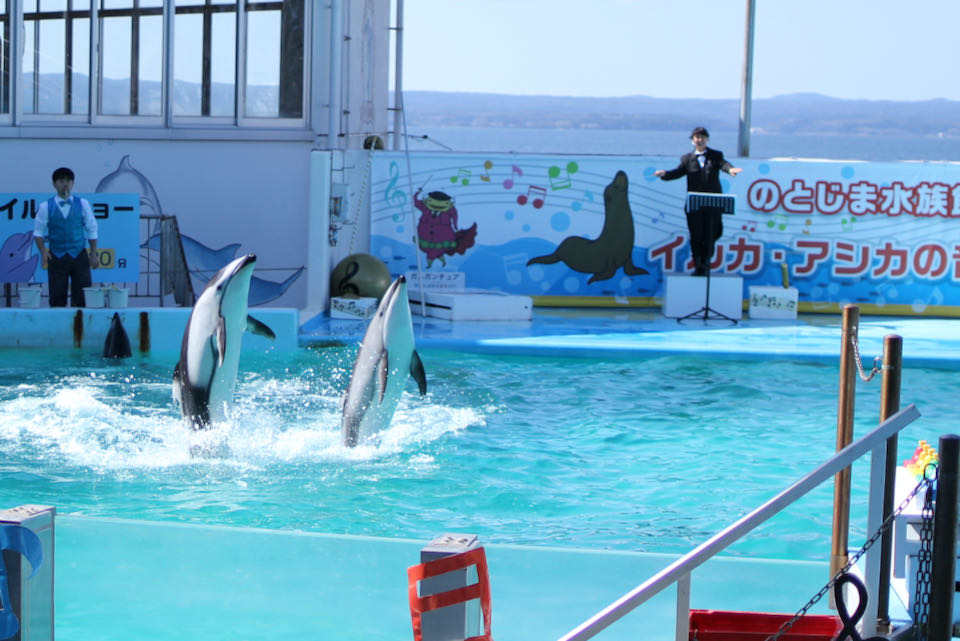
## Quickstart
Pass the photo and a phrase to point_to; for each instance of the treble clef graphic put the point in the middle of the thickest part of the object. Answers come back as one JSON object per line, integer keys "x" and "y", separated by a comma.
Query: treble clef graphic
{"x": 345, "y": 286}
{"x": 394, "y": 196}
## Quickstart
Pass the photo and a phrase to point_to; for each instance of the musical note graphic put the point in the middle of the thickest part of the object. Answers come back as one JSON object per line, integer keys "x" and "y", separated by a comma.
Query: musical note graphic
{"x": 394, "y": 196}
{"x": 807, "y": 223}
{"x": 463, "y": 175}
{"x": 654, "y": 219}
{"x": 577, "y": 205}
{"x": 345, "y": 286}
{"x": 779, "y": 222}
{"x": 514, "y": 266}
{"x": 751, "y": 225}
{"x": 514, "y": 171}
{"x": 561, "y": 182}
{"x": 533, "y": 191}
{"x": 485, "y": 176}
{"x": 846, "y": 224}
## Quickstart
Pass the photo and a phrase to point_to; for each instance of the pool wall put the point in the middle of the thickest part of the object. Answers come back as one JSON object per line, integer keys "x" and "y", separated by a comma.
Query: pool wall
{"x": 163, "y": 326}
{"x": 126, "y": 579}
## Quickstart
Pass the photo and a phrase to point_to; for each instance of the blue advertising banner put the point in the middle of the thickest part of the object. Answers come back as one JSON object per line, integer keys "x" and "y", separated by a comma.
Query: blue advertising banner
{"x": 118, "y": 237}
{"x": 603, "y": 230}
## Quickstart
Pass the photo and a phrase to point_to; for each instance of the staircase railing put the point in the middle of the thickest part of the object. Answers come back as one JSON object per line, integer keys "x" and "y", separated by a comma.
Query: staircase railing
{"x": 679, "y": 571}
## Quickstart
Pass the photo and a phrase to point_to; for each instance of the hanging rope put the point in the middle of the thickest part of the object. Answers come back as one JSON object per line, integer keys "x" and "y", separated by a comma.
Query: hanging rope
{"x": 413, "y": 210}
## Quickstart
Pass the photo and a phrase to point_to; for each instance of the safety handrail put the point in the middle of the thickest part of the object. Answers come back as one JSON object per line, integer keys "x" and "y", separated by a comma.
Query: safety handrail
{"x": 679, "y": 570}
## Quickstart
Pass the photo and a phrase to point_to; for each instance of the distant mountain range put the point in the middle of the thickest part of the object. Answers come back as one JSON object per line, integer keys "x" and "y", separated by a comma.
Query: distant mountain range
{"x": 791, "y": 114}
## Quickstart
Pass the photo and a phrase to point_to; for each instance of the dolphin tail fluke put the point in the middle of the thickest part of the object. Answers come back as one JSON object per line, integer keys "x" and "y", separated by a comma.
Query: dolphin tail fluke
{"x": 418, "y": 373}
{"x": 260, "y": 328}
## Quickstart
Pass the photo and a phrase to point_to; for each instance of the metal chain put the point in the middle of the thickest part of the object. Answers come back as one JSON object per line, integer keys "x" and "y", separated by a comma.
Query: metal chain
{"x": 921, "y": 596}
{"x": 877, "y": 361}
{"x": 850, "y": 563}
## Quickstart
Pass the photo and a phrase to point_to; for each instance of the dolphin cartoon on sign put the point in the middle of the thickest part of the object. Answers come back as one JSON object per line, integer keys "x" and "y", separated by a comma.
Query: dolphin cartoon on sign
{"x": 387, "y": 354}
{"x": 206, "y": 374}
{"x": 16, "y": 263}
{"x": 16, "y": 538}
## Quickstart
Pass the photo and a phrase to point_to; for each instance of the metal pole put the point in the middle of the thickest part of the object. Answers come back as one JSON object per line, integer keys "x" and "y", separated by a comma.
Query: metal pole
{"x": 943, "y": 568}
{"x": 889, "y": 405}
{"x": 746, "y": 88}
{"x": 336, "y": 74}
{"x": 398, "y": 82}
{"x": 845, "y": 407}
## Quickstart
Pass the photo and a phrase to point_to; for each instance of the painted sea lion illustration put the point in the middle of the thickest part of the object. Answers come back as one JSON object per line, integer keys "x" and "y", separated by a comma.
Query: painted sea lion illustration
{"x": 612, "y": 250}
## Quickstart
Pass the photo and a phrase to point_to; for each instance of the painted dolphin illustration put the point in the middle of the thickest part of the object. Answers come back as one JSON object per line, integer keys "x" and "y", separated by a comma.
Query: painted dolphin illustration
{"x": 16, "y": 538}
{"x": 16, "y": 263}
{"x": 126, "y": 178}
{"x": 386, "y": 355}
{"x": 203, "y": 261}
{"x": 206, "y": 374}
{"x": 200, "y": 258}
{"x": 117, "y": 343}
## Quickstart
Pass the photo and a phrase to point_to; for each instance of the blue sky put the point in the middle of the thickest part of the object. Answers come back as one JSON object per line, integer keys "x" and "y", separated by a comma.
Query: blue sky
{"x": 872, "y": 49}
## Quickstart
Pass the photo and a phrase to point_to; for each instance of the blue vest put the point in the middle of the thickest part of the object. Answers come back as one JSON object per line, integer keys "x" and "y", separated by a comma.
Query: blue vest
{"x": 65, "y": 235}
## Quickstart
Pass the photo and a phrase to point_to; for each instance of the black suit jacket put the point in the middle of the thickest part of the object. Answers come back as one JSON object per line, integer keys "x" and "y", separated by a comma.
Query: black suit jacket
{"x": 706, "y": 179}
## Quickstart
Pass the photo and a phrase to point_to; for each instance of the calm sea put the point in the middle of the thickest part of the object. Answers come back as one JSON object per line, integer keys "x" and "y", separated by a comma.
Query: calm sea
{"x": 674, "y": 143}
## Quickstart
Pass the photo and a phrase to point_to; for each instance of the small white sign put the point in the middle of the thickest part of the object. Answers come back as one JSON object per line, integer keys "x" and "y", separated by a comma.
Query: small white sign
{"x": 437, "y": 281}
{"x": 352, "y": 308}
{"x": 773, "y": 302}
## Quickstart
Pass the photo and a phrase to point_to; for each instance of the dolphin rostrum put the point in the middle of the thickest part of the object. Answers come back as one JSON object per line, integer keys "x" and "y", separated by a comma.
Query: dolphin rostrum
{"x": 386, "y": 355}
{"x": 206, "y": 374}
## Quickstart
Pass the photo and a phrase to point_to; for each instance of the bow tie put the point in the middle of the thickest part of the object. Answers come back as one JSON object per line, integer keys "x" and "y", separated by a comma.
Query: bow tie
{"x": 63, "y": 202}
{"x": 700, "y": 153}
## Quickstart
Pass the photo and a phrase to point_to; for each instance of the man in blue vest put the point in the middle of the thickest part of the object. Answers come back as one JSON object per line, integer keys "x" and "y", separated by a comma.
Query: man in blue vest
{"x": 67, "y": 224}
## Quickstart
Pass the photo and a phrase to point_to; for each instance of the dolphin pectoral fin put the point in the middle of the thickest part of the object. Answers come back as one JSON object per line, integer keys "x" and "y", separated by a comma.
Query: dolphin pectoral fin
{"x": 260, "y": 328}
{"x": 382, "y": 369}
{"x": 220, "y": 342}
{"x": 418, "y": 373}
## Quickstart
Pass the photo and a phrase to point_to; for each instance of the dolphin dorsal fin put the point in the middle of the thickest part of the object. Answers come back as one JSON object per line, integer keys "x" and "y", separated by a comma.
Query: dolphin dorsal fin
{"x": 418, "y": 373}
{"x": 259, "y": 327}
{"x": 220, "y": 342}
{"x": 383, "y": 366}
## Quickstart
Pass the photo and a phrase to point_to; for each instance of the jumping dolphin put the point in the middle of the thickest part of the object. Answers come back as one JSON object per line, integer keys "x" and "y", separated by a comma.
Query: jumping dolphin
{"x": 117, "y": 343}
{"x": 386, "y": 355}
{"x": 205, "y": 376}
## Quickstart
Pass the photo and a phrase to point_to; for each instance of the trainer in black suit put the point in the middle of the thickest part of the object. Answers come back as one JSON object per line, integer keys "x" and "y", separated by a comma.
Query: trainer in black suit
{"x": 702, "y": 167}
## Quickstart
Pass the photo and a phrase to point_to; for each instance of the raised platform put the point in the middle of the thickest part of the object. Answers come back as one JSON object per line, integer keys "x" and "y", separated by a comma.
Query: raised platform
{"x": 473, "y": 305}
{"x": 159, "y": 328}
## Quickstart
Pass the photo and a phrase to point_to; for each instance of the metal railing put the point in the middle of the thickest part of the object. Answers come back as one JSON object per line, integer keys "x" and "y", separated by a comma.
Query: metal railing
{"x": 679, "y": 571}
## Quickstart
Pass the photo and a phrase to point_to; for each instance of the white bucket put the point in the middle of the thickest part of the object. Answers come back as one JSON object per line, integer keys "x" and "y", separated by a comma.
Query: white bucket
{"x": 117, "y": 296}
{"x": 30, "y": 296}
{"x": 94, "y": 296}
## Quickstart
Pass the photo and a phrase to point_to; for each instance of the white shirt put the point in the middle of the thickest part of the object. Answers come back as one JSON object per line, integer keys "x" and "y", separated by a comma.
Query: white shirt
{"x": 42, "y": 220}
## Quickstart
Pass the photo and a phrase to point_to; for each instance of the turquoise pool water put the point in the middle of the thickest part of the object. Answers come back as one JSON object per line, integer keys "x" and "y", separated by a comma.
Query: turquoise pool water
{"x": 652, "y": 454}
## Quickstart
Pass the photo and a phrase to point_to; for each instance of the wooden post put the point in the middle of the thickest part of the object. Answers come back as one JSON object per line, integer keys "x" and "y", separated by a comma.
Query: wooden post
{"x": 845, "y": 411}
{"x": 889, "y": 405}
